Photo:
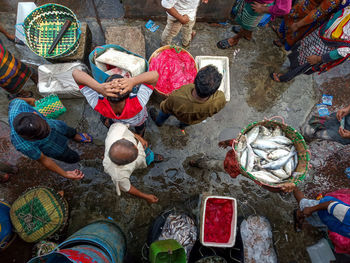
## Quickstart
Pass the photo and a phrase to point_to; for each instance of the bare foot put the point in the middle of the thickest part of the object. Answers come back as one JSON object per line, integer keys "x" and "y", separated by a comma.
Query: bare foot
{"x": 152, "y": 199}
{"x": 83, "y": 137}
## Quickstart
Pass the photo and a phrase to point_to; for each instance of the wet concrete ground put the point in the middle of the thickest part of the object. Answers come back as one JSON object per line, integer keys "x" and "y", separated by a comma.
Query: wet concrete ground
{"x": 254, "y": 96}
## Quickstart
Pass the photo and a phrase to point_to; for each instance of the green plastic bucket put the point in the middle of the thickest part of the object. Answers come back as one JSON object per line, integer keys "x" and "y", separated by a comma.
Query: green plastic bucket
{"x": 167, "y": 251}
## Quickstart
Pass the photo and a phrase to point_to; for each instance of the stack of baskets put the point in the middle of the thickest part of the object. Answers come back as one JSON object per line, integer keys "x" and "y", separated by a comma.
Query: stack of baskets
{"x": 39, "y": 213}
{"x": 42, "y": 26}
{"x": 300, "y": 146}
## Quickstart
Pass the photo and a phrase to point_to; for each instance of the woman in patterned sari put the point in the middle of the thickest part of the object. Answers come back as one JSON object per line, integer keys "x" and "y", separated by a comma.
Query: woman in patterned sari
{"x": 304, "y": 18}
{"x": 323, "y": 49}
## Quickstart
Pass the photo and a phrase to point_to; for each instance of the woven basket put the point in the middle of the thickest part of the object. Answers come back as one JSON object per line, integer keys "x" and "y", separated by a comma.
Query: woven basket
{"x": 42, "y": 26}
{"x": 300, "y": 146}
{"x": 51, "y": 106}
{"x": 160, "y": 50}
{"x": 39, "y": 213}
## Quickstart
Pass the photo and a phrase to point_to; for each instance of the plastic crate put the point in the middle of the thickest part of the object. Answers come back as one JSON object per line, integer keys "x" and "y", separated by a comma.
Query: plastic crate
{"x": 232, "y": 239}
{"x": 223, "y": 65}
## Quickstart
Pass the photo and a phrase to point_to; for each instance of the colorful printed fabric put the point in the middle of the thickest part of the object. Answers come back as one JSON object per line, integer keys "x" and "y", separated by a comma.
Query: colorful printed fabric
{"x": 53, "y": 145}
{"x": 313, "y": 12}
{"x": 13, "y": 73}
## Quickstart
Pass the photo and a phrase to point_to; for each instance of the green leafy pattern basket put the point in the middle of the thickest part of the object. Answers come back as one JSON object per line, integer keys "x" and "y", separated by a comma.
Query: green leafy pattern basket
{"x": 51, "y": 106}
{"x": 299, "y": 143}
{"x": 42, "y": 26}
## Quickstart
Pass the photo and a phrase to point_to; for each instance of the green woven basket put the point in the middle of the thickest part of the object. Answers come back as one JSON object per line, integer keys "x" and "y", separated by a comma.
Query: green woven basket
{"x": 51, "y": 106}
{"x": 42, "y": 26}
{"x": 39, "y": 213}
{"x": 299, "y": 144}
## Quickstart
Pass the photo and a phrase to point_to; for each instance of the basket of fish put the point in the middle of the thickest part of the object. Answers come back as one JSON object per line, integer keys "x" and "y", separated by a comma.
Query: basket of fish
{"x": 272, "y": 154}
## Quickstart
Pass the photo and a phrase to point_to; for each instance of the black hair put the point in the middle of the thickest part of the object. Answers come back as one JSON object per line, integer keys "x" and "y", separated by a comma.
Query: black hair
{"x": 123, "y": 152}
{"x": 120, "y": 97}
{"x": 31, "y": 126}
{"x": 207, "y": 81}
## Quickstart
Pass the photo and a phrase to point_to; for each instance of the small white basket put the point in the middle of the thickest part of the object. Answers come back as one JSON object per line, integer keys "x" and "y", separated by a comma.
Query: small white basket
{"x": 232, "y": 239}
{"x": 222, "y": 63}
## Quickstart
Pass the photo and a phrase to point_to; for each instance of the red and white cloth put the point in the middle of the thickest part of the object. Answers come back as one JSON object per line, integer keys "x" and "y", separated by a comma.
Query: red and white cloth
{"x": 134, "y": 112}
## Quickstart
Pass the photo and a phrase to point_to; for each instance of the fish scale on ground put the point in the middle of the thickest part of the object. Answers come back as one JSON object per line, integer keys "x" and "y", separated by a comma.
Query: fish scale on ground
{"x": 267, "y": 154}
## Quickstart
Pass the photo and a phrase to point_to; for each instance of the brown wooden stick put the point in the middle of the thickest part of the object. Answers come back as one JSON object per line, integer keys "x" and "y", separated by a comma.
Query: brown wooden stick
{"x": 60, "y": 35}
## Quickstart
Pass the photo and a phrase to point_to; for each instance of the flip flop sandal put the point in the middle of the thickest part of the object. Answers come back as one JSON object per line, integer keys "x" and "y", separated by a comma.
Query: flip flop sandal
{"x": 85, "y": 139}
{"x": 223, "y": 44}
{"x": 158, "y": 158}
{"x": 236, "y": 28}
{"x": 273, "y": 77}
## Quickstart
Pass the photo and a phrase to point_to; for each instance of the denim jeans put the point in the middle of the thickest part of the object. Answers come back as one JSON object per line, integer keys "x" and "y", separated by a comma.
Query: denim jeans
{"x": 162, "y": 117}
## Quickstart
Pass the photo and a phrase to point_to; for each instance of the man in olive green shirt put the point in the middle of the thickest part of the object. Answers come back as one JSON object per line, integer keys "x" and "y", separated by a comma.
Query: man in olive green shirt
{"x": 193, "y": 103}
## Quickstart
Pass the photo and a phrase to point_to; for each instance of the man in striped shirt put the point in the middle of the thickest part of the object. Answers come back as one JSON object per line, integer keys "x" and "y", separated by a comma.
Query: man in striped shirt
{"x": 119, "y": 99}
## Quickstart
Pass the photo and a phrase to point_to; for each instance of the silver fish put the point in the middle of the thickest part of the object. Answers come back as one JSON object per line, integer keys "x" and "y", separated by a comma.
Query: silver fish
{"x": 267, "y": 145}
{"x": 277, "y": 131}
{"x": 265, "y": 176}
{"x": 243, "y": 158}
{"x": 252, "y": 135}
{"x": 242, "y": 144}
{"x": 278, "y": 163}
{"x": 279, "y": 139}
{"x": 288, "y": 167}
{"x": 295, "y": 161}
{"x": 276, "y": 154}
{"x": 265, "y": 132}
{"x": 250, "y": 158}
{"x": 262, "y": 154}
{"x": 280, "y": 173}
{"x": 295, "y": 174}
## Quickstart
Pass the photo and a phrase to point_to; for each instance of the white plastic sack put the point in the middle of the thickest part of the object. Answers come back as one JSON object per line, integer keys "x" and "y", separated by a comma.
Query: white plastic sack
{"x": 58, "y": 79}
{"x": 135, "y": 65}
{"x": 257, "y": 240}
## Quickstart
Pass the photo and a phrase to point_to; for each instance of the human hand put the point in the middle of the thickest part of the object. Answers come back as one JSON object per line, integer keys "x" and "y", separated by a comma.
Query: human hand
{"x": 307, "y": 211}
{"x": 294, "y": 27}
{"x": 259, "y": 8}
{"x": 342, "y": 113}
{"x": 288, "y": 187}
{"x": 205, "y": 1}
{"x": 124, "y": 85}
{"x": 224, "y": 144}
{"x": 75, "y": 175}
{"x": 152, "y": 199}
{"x": 30, "y": 101}
{"x": 143, "y": 142}
{"x": 109, "y": 89}
{"x": 185, "y": 19}
{"x": 314, "y": 59}
{"x": 344, "y": 133}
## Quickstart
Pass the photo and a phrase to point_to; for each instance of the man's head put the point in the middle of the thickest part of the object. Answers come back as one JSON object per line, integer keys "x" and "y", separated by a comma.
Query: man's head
{"x": 123, "y": 152}
{"x": 207, "y": 81}
{"x": 120, "y": 97}
{"x": 31, "y": 126}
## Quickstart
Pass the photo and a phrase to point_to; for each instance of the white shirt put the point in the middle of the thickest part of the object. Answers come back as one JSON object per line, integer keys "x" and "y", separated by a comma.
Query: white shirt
{"x": 120, "y": 174}
{"x": 184, "y": 7}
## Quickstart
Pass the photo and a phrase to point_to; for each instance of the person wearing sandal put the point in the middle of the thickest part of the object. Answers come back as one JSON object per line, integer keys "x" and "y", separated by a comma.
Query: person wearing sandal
{"x": 328, "y": 213}
{"x": 323, "y": 49}
{"x": 193, "y": 103}
{"x": 119, "y": 99}
{"x": 43, "y": 139}
{"x": 248, "y": 15}
{"x": 126, "y": 152}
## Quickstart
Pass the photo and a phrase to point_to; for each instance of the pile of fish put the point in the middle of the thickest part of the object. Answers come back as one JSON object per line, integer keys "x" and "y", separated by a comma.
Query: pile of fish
{"x": 181, "y": 228}
{"x": 268, "y": 154}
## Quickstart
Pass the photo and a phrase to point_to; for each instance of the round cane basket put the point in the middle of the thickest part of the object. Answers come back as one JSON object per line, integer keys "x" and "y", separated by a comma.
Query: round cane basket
{"x": 299, "y": 144}
{"x": 160, "y": 50}
{"x": 42, "y": 26}
{"x": 38, "y": 213}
